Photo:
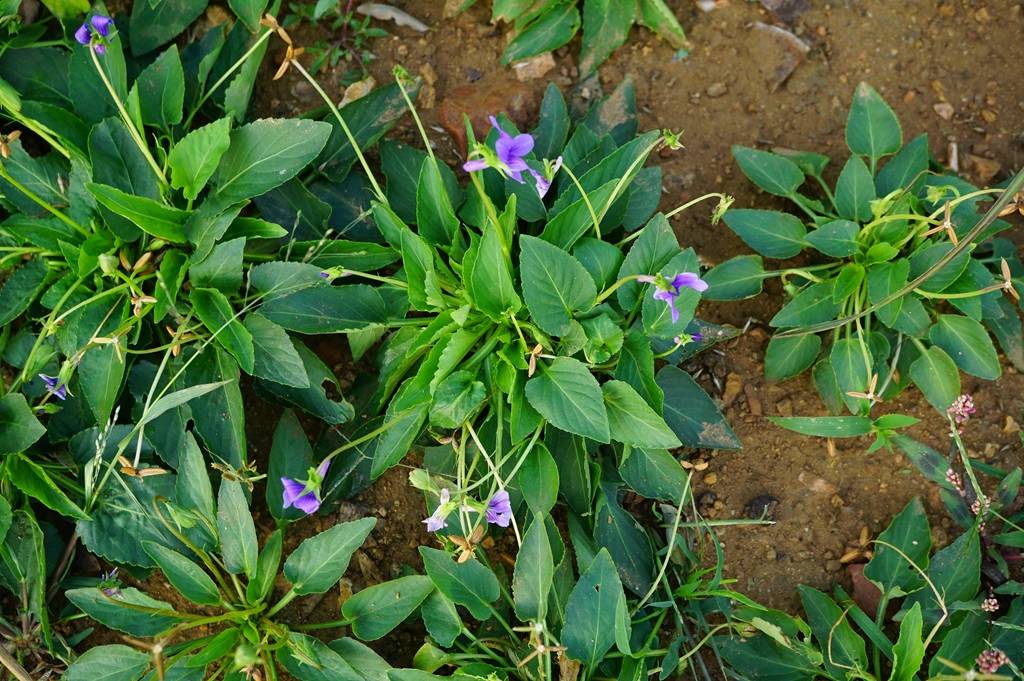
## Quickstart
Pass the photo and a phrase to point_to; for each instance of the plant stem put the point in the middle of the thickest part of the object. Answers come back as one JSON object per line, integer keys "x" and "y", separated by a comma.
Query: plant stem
{"x": 36, "y": 199}
{"x": 586, "y": 199}
{"x": 693, "y": 202}
{"x": 12, "y": 665}
{"x": 227, "y": 74}
{"x": 285, "y": 600}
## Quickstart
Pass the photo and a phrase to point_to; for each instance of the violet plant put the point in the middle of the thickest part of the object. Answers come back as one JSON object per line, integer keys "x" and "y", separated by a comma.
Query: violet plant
{"x": 908, "y": 283}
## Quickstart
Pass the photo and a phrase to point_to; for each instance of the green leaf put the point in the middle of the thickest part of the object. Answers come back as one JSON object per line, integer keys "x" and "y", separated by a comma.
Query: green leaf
{"x": 238, "y": 543}
{"x": 368, "y": 118}
{"x": 470, "y": 583}
{"x": 855, "y": 190}
{"x": 265, "y": 154}
{"x": 21, "y": 288}
{"x": 553, "y": 127}
{"x": 847, "y": 282}
{"x": 214, "y": 310}
{"x": 872, "y": 128}
{"x": 194, "y": 158}
{"x": 110, "y": 662}
{"x": 968, "y": 344}
{"x": 884, "y": 279}
{"x": 825, "y": 426}
{"x": 488, "y": 277}
{"x": 601, "y": 259}
{"x": 606, "y": 25}
{"x": 262, "y": 583}
{"x": 178, "y": 398}
{"x": 657, "y": 16}
{"x": 435, "y": 215}
{"x": 771, "y": 172}
{"x": 100, "y": 374}
{"x": 238, "y": 93}
{"x": 327, "y": 309}
{"x": 903, "y": 168}
{"x": 737, "y": 278}
{"x": 961, "y": 645}
{"x": 314, "y": 398}
{"x": 837, "y": 238}
{"x": 19, "y": 425}
{"x": 534, "y": 570}
{"x": 691, "y": 414}
{"x": 909, "y": 533}
{"x": 654, "y": 248}
{"x": 153, "y": 24}
{"x": 790, "y": 355}
{"x": 320, "y": 561}
{"x": 538, "y": 480}
{"x": 655, "y": 474}
{"x": 589, "y": 629}
{"x": 833, "y": 632}
{"x": 33, "y": 480}
{"x": 555, "y": 285}
{"x": 378, "y": 609}
{"x": 249, "y": 11}
{"x": 632, "y": 421}
{"x": 769, "y": 232}
{"x": 148, "y": 617}
{"x": 636, "y": 367}
{"x": 309, "y": 659}
{"x": 184, "y": 575}
{"x": 456, "y": 399}
{"x": 955, "y": 572}
{"x": 441, "y": 619}
{"x": 569, "y": 397}
{"x": 221, "y": 269}
{"x": 925, "y": 258}
{"x": 937, "y": 376}
{"x": 291, "y": 456}
{"x": 812, "y": 305}
{"x": 161, "y": 88}
{"x": 908, "y": 654}
{"x": 553, "y": 29}
{"x": 625, "y": 539}
{"x": 275, "y": 357}
{"x": 148, "y": 215}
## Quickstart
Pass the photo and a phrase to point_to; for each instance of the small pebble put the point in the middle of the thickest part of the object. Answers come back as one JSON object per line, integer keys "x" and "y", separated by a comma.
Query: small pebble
{"x": 945, "y": 110}
{"x": 710, "y": 478}
{"x": 716, "y": 90}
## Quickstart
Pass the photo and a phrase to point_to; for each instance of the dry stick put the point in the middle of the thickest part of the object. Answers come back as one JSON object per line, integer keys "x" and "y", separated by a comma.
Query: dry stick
{"x": 12, "y": 665}
{"x": 1009, "y": 193}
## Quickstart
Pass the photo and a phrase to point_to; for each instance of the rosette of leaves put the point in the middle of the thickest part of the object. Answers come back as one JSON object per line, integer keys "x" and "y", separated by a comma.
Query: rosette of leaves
{"x": 207, "y": 549}
{"x": 904, "y": 282}
{"x": 134, "y": 265}
{"x": 545, "y": 25}
{"x": 518, "y": 329}
{"x": 939, "y": 628}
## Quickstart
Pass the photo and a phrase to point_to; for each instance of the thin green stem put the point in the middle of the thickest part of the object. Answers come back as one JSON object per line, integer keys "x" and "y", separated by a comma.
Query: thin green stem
{"x": 586, "y": 199}
{"x": 43, "y": 204}
{"x": 227, "y": 74}
{"x": 694, "y": 202}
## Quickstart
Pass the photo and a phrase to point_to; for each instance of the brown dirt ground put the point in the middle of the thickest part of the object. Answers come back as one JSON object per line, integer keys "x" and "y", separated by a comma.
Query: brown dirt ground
{"x": 917, "y": 54}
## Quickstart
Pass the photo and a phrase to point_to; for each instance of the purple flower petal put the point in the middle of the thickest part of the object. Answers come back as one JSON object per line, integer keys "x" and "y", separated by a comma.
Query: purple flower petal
{"x": 543, "y": 184}
{"x": 293, "y": 489}
{"x": 100, "y": 48}
{"x": 647, "y": 279}
{"x": 435, "y": 523}
{"x": 308, "y": 503}
{"x": 499, "y": 510}
{"x": 102, "y": 24}
{"x": 321, "y": 470}
{"x": 474, "y": 165}
{"x": 668, "y": 297}
{"x": 689, "y": 280}
{"x": 83, "y": 35}
{"x": 521, "y": 145}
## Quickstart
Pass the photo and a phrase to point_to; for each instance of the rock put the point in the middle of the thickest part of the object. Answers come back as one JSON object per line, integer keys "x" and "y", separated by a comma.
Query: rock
{"x": 777, "y": 51}
{"x": 752, "y": 400}
{"x": 534, "y": 67}
{"x": 786, "y": 11}
{"x": 1010, "y": 425}
{"x": 716, "y": 90}
{"x": 816, "y": 484}
{"x": 989, "y": 115}
{"x": 479, "y": 101}
{"x": 473, "y": 75}
{"x": 785, "y": 407}
{"x": 945, "y": 110}
{"x": 710, "y": 478}
{"x": 733, "y": 387}
{"x": 983, "y": 169}
{"x": 429, "y": 74}
{"x": 761, "y": 506}
{"x": 865, "y": 593}
{"x": 833, "y": 566}
{"x": 770, "y": 554}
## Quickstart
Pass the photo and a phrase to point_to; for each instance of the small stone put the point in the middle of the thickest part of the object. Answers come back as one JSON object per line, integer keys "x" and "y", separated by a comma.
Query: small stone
{"x": 945, "y": 110}
{"x": 947, "y": 9}
{"x": 761, "y": 506}
{"x": 1010, "y": 425}
{"x": 710, "y": 478}
{"x": 717, "y": 90}
{"x": 833, "y": 566}
{"x": 718, "y": 505}
{"x": 733, "y": 386}
{"x": 837, "y": 501}
{"x": 776, "y": 51}
{"x": 479, "y": 101}
{"x": 534, "y": 67}
{"x": 982, "y": 16}
{"x": 707, "y": 498}
{"x": 473, "y": 75}
{"x": 402, "y": 50}
{"x": 429, "y": 74}
{"x": 989, "y": 115}
{"x": 983, "y": 169}
{"x": 770, "y": 554}
{"x": 785, "y": 407}
{"x": 358, "y": 89}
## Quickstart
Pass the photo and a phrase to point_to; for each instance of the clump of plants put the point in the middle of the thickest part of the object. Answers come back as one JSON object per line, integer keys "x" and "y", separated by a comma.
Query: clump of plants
{"x": 350, "y": 36}
{"x": 948, "y": 612}
{"x": 546, "y": 25}
{"x": 904, "y": 282}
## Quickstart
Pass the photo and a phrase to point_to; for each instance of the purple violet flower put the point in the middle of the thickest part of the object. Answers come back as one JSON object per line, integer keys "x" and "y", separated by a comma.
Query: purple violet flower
{"x": 509, "y": 152}
{"x": 544, "y": 179}
{"x": 98, "y": 26}
{"x": 499, "y": 510}
{"x": 55, "y": 387}
{"x": 667, "y": 290}
{"x": 305, "y": 496}
{"x": 109, "y": 583}
{"x": 437, "y": 521}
